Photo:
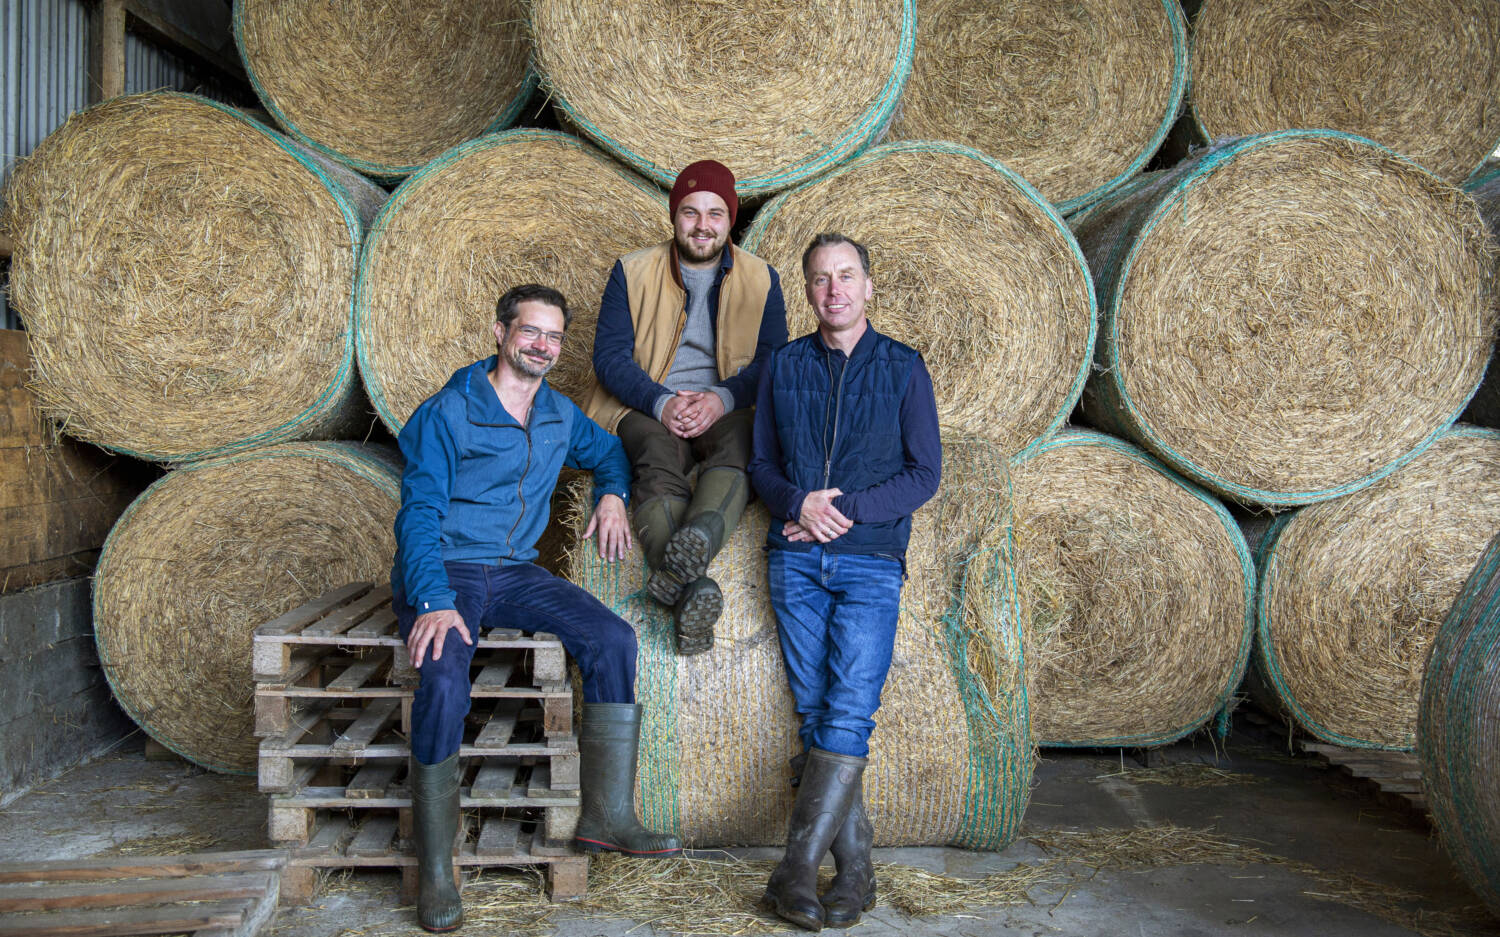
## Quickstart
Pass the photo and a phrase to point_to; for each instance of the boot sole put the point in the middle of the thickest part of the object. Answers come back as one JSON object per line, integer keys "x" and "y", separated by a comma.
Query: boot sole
{"x": 685, "y": 559}
{"x": 841, "y": 923}
{"x": 442, "y": 930}
{"x": 594, "y": 845}
{"x": 695, "y": 622}
{"x": 769, "y": 904}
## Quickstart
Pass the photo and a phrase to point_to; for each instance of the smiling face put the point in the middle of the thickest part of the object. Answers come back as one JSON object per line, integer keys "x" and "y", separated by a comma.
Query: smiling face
{"x": 531, "y": 356}
{"x": 700, "y": 228}
{"x": 838, "y": 289}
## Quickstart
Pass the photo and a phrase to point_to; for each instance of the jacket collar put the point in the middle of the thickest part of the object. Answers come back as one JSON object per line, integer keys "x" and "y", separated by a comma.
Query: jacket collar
{"x": 483, "y": 404}
{"x": 861, "y": 347}
{"x": 726, "y": 263}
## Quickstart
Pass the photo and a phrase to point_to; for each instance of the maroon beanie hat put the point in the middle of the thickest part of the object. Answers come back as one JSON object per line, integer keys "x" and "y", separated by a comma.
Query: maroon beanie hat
{"x": 706, "y": 174}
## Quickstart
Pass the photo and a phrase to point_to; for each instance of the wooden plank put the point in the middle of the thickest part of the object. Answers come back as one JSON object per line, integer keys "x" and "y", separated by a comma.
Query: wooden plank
{"x": 372, "y": 780}
{"x": 557, "y": 715}
{"x": 501, "y": 725}
{"x": 27, "y": 896}
{"x": 107, "y": 50}
{"x": 376, "y": 837}
{"x": 498, "y": 837}
{"x": 342, "y": 619}
{"x": 565, "y": 772}
{"x": 197, "y": 30}
{"x": 170, "y": 919}
{"x": 549, "y": 664}
{"x": 378, "y": 625}
{"x": 363, "y": 730}
{"x": 26, "y": 575}
{"x": 7, "y": 247}
{"x": 496, "y": 778}
{"x": 332, "y": 836}
{"x": 273, "y": 715}
{"x": 100, "y": 867}
{"x": 494, "y": 675}
{"x": 568, "y": 878}
{"x": 303, "y": 722}
{"x": 358, "y": 674}
{"x": 288, "y": 824}
{"x": 270, "y": 660}
{"x": 309, "y": 612}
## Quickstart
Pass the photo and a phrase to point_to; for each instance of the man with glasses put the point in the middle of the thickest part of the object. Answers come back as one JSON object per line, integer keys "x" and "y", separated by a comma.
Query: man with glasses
{"x": 846, "y": 448}
{"x": 683, "y": 329}
{"x": 482, "y": 458}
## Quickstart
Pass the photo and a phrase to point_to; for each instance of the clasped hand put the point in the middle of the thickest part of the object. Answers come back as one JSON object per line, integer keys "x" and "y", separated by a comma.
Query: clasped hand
{"x": 819, "y": 521}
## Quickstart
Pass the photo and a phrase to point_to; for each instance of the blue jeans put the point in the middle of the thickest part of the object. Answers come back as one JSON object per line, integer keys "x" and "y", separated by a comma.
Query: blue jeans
{"x": 836, "y": 617}
{"x": 526, "y": 597}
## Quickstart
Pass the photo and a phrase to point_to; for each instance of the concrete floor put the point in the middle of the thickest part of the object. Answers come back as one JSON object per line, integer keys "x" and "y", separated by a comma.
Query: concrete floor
{"x": 1316, "y": 832}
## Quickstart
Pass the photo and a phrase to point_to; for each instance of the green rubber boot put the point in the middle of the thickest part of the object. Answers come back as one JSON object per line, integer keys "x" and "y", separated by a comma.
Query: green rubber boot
{"x": 824, "y": 796}
{"x": 656, "y": 520}
{"x": 434, "y": 810}
{"x": 717, "y": 504}
{"x": 853, "y": 890}
{"x": 608, "y": 742}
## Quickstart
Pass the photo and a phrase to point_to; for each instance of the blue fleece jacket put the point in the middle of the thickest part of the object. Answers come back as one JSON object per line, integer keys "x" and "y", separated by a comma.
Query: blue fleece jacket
{"x": 865, "y": 423}
{"x": 478, "y": 485}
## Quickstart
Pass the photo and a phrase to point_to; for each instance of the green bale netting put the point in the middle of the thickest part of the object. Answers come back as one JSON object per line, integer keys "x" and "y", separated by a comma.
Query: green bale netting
{"x": 1139, "y": 592}
{"x": 1458, "y": 732}
{"x": 386, "y": 87}
{"x": 213, "y": 550}
{"x": 951, "y": 754}
{"x": 1289, "y": 317}
{"x": 1352, "y": 591}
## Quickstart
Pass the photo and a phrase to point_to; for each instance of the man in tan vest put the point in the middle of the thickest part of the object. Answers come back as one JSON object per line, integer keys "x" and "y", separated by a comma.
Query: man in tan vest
{"x": 683, "y": 330}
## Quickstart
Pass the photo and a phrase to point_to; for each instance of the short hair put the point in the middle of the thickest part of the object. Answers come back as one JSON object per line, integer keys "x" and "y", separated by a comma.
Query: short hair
{"x": 830, "y": 239}
{"x": 506, "y": 306}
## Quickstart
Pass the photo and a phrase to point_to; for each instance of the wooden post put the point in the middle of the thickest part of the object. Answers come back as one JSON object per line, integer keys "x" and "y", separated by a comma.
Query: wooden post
{"x": 107, "y": 51}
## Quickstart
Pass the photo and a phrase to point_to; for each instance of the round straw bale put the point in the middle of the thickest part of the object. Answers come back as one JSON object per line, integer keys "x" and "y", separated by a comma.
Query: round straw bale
{"x": 1353, "y": 590}
{"x": 185, "y": 276}
{"x": 971, "y": 266}
{"x": 1075, "y": 96}
{"x": 386, "y": 87}
{"x": 511, "y": 208}
{"x": 211, "y": 551}
{"x": 660, "y": 83}
{"x": 950, "y": 757}
{"x": 1140, "y": 591}
{"x": 1289, "y": 317}
{"x": 1458, "y": 732}
{"x": 1419, "y": 76}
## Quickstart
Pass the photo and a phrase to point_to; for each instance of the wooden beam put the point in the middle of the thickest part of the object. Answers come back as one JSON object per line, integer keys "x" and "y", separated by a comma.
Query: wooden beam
{"x": 107, "y": 51}
{"x": 6, "y": 247}
{"x": 203, "y": 32}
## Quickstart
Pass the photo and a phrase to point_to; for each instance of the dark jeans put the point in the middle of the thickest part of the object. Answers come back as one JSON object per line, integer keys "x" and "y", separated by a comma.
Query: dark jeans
{"x": 836, "y": 616}
{"x": 526, "y": 597}
{"x": 661, "y": 462}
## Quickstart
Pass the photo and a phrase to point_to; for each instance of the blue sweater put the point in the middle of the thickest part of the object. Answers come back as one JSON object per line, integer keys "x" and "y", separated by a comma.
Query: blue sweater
{"x": 478, "y": 485}
{"x": 865, "y": 423}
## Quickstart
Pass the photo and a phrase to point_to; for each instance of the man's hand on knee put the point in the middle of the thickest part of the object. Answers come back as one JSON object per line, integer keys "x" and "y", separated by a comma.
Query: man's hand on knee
{"x": 613, "y": 526}
{"x": 820, "y": 519}
{"x": 431, "y": 629}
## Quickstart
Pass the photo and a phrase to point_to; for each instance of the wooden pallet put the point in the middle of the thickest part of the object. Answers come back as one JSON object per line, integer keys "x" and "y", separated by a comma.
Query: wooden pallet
{"x": 333, "y": 694}
{"x": 1394, "y": 777}
{"x": 227, "y": 894}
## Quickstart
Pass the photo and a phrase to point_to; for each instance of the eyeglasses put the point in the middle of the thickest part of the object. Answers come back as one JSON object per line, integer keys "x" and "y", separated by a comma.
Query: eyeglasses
{"x": 531, "y": 333}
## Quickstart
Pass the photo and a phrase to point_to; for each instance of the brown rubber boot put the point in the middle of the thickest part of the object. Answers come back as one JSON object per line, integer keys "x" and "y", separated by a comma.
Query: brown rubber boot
{"x": 824, "y": 796}
{"x": 853, "y": 889}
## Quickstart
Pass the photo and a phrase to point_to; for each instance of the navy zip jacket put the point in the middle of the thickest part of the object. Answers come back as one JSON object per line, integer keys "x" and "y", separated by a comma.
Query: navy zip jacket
{"x": 865, "y": 423}
{"x": 477, "y": 487}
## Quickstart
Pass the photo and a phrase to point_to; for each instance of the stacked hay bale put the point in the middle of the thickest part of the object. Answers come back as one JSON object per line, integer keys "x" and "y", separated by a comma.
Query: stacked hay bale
{"x": 185, "y": 277}
{"x": 950, "y": 754}
{"x": 1288, "y": 317}
{"x": 386, "y": 87}
{"x": 972, "y": 267}
{"x": 1456, "y": 733}
{"x": 1420, "y": 78}
{"x": 1139, "y": 592}
{"x": 1074, "y": 96}
{"x": 511, "y": 208}
{"x": 660, "y": 83}
{"x": 216, "y": 548}
{"x": 1352, "y": 590}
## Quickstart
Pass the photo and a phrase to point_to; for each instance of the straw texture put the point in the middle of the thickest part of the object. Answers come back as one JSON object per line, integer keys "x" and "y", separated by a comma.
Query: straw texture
{"x": 1140, "y": 593}
{"x": 1484, "y": 409}
{"x": 1419, "y": 76}
{"x": 778, "y": 90}
{"x": 950, "y": 755}
{"x": 1075, "y": 96}
{"x": 185, "y": 279}
{"x": 386, "y": 86}
{"x": 1288, "y": 317}
{"x": 971, "y": 266}
{"x": 211, "y": 551}
{"x": 1352, "y": 591}
{"x": 517, "y": 207}
{"x": 1458, "y": 735}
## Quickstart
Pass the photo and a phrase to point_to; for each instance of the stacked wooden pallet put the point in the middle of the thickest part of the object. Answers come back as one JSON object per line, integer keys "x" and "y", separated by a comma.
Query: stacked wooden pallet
{"x": 1395, "y": 778}
{"x": 334, "y": 688}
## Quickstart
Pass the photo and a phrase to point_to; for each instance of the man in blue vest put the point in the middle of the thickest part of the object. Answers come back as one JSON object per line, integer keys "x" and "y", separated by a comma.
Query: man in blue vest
{"x": 482, "y": 457}
{"x": 846, "y": 447}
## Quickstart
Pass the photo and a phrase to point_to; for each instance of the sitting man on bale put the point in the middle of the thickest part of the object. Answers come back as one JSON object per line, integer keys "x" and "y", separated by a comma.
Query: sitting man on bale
{"x": 846, "y": 448}
{"x": 482, "y": 459}
{"x": 683, "y": 329}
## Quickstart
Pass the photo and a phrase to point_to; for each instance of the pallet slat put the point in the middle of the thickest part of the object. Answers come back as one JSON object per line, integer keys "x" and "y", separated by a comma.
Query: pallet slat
{"x": 304, "y": 615}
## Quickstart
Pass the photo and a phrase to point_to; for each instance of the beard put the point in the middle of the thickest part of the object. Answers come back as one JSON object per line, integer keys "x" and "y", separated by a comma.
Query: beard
{"x": 528, "y": 366}
{"x": 696, "y": 254}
